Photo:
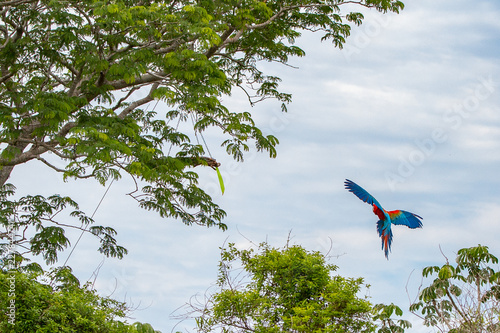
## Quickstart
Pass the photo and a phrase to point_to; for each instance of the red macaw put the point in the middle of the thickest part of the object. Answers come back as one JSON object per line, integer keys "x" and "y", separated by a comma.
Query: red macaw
{"x": 397, "y": 217}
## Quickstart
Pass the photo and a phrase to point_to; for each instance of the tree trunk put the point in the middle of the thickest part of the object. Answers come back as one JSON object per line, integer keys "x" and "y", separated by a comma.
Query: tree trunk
{"x": 5, "y": 174}
{"x": 6, "y": 170}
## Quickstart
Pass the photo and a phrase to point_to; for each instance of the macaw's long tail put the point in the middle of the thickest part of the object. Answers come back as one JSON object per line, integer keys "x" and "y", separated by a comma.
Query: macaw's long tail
{"x": 385, "y": 233}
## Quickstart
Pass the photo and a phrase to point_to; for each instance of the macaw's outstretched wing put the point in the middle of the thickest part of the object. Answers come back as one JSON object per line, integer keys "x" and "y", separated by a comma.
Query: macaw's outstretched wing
{"x": 401, "y": 217}
{"x": 361, "y": 193}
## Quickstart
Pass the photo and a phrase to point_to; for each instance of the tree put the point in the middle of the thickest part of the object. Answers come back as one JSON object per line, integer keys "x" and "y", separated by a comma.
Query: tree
{"x": 287, "y": 290}
{"x": 29, "y": 305}
{"x": 464, "y": 297}
{"x": 77, "y": 78}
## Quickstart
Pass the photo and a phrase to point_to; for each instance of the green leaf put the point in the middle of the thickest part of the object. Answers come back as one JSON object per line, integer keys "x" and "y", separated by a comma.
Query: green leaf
{"x": 446, "y": 272}
{"x": 221, "y": 182}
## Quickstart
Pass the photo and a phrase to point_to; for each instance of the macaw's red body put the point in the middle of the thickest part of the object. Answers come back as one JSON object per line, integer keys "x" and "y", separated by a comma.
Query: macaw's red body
{"x": 386, "y": 218}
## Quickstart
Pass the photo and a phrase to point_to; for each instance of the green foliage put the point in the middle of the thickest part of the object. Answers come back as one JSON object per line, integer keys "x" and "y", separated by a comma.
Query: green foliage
{"x": 288, "y": 290}
{"x": 142, "y": 328}
{"x": 46, "y": 240}
{"x": 60, "y": 306}
{"x": 383, "y": 313}
{"x": 80, "y": 80}
{"x": 464, "y": 297}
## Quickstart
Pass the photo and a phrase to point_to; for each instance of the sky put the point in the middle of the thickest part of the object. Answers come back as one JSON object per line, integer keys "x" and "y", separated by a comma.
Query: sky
{"x": 409, "y": 110}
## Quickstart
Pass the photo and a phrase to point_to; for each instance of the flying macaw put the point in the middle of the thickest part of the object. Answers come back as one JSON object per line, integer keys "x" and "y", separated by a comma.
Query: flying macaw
{"x": 397, "y": 217}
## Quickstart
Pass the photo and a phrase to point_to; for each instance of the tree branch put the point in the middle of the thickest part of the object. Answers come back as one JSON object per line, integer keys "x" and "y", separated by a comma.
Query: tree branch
{"x": 450, "y": 297}
{"x": 38, "y": 148}
{"x": 143, "y": 79}
{"x": 62, "y": 170}
{"x": 15, "y": 2}
{"x": 139, "y": 102}
{"x": 49, "y": 165}
{"x": 223, "y": 38}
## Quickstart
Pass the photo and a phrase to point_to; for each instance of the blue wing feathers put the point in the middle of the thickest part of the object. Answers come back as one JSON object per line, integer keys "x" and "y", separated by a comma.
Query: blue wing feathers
{"x": 401, "y": 217}
{"x": 361, "y": 193}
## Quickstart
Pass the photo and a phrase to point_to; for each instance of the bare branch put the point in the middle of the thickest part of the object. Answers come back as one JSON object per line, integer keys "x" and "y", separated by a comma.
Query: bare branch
{"x": 123, "y": 99}
{"x": 143, "y": 79}
{"x": 139, "y": 102}
{"x": 44, "y": 161}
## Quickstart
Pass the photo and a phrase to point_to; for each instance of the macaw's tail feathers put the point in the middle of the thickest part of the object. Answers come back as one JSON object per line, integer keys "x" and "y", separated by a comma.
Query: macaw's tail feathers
{"x": 385, "y": 233}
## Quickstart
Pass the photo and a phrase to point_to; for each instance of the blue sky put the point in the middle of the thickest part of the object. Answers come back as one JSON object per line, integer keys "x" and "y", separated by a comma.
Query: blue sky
{"x": 409, "y": 110}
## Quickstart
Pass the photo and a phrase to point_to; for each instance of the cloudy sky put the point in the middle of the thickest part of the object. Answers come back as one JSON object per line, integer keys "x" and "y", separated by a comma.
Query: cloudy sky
{"x": 409, "y": 110}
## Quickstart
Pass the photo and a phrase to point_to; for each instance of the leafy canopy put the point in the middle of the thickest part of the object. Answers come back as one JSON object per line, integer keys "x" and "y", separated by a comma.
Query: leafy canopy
{"x": 29, "y": 305}
{"x": 287, "y": 290}
{"x": 80, "y": 80}
{"x": 464, "y": 297}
